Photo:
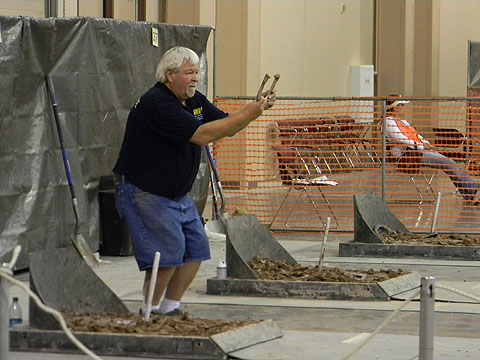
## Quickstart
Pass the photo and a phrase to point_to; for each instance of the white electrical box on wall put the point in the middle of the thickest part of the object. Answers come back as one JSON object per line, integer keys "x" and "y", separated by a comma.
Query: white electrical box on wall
{"x": 362, "y": 83}
{"x": 362, "y": 80}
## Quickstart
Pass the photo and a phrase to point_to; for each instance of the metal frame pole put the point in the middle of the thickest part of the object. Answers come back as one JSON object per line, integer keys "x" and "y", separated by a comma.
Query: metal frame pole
{"x": 4, "y": 323}
{"x": 51, "y": 8}
{"x": 384, "y": 147}
{"x": 427, "y": 314}
{"x": 214, "y": 77}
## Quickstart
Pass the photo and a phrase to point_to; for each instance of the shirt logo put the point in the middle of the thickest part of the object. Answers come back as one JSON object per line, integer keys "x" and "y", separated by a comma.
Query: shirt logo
{"x": 198, "y": 113}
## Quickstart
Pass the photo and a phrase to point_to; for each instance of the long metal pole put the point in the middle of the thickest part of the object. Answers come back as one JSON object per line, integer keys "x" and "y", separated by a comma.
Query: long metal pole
{"x": 4, "y": 327}
{"x": 356, "y": 98}
{"x": 384, "y": 147}
{"x": 214, "y": 86}
{"x": 51, "y": 8}
{"x": 427, "y": 314}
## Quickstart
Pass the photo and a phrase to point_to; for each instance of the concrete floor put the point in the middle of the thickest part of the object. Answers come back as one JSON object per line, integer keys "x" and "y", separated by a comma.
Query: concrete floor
{"x": 319, "y": 329}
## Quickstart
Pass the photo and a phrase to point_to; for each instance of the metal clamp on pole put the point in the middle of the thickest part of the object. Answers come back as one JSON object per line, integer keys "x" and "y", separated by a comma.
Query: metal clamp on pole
{"x": 427, "y": 314}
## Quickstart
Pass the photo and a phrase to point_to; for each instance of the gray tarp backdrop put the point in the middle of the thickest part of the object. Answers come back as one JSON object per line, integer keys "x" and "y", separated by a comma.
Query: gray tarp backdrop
{"x": 100, "y": 67}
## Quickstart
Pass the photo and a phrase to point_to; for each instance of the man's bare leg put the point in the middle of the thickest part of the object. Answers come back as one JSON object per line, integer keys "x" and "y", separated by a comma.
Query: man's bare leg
{"x": 175, "y": 280}
{"x": 163, "y": 277}
{"x": 181, "y": 280}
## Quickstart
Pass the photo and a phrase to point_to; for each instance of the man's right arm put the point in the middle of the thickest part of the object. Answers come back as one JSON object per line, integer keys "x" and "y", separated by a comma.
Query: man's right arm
{"x": 228, "y": 126}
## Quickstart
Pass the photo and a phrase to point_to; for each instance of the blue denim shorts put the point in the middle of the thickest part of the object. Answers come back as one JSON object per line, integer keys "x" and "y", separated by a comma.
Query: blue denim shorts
{"x": 156, "y": 223}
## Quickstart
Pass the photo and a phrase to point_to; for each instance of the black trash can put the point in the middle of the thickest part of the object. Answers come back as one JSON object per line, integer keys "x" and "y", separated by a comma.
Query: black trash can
{"x": 114, "y": 235}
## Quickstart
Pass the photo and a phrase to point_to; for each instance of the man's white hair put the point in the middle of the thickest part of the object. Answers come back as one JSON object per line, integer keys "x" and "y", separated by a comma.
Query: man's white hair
{"x": 173, "y": 60}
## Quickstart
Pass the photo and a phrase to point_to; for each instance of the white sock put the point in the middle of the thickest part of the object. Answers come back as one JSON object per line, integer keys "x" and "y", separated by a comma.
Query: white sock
{"x": 144, "y": 308}
{"x": 168, "y": 305}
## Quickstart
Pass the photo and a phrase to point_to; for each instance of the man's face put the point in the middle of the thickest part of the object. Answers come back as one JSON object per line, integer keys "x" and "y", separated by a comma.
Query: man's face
{"x": 184, "y": 82}
{"x": 400, "y": 109}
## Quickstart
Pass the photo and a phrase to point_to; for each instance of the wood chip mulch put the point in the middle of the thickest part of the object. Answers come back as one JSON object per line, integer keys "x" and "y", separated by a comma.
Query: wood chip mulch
{"x": 268, "y": 269}
{"x": 158, "y": 324}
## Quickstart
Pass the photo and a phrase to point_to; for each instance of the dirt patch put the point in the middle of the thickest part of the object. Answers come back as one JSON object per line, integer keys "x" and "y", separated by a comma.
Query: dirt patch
{"x": 268, "y": 269}
{"x": 393, "y": 237}
{"x": 185, "y": 325}
{"x": 158, "y": 324}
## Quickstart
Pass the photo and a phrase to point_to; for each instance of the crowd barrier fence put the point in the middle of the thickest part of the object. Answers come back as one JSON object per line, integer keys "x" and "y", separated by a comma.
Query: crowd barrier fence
{"x": 304, "y": 159}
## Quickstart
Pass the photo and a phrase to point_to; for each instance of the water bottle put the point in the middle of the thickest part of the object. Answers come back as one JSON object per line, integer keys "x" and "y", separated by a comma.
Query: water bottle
{"x": 221, "y": 270}
{"x": 15, "y": 312}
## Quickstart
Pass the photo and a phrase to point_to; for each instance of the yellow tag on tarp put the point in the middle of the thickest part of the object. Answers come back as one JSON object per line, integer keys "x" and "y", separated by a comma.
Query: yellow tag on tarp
{"x": 154, "y": 37}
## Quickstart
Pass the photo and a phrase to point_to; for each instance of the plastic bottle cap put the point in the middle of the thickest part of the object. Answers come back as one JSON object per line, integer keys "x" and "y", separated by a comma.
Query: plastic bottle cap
{"x": 15, "y": 298}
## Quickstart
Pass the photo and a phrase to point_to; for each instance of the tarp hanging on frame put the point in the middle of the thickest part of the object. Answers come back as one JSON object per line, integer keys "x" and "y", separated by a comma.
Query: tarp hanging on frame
{"x": 473, "y": 64}
{"x": 100, "y": 67}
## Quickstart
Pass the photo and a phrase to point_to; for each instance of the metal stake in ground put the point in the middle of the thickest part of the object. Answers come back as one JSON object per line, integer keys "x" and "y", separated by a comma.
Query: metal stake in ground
{"x": 151, "y": 288}
{"x": 427, "y": 318}
{"x": 322, "y": 250}
{"x": 435, "y": 214}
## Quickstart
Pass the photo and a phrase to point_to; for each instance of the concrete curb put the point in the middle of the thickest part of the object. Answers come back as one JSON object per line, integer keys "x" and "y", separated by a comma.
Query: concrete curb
{"x": 179, "y": 347}
{"x": 381, "y": 291}
{"x": 403, "y": 251}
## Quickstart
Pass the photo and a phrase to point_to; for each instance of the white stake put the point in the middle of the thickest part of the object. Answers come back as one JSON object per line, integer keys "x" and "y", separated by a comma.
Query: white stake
{"x": 435, "y": 214}
{"x": 322, "y": 250}
{"x": 151, "y": 288}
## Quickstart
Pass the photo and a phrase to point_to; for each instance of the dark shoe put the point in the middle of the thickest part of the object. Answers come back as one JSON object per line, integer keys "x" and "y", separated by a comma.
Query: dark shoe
{"x": 152, "y": 312}
{"x": 176, "y": 312}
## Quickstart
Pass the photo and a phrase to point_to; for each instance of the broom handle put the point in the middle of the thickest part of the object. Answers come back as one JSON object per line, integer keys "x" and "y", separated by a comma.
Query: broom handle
{"x": 68, "y": 172}
{"x": 217, "y": 179}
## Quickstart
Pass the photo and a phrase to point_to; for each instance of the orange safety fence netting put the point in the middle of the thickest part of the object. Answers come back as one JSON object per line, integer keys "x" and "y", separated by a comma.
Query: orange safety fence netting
{"x": 303, "y": 160}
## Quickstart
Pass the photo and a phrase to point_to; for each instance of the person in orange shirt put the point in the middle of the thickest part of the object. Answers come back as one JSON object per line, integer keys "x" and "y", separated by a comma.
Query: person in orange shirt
{"x": 402, "y": 135}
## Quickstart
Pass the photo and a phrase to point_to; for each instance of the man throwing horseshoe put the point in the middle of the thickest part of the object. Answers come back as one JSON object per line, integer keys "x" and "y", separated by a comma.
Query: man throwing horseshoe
{"x": 156, "y": 168}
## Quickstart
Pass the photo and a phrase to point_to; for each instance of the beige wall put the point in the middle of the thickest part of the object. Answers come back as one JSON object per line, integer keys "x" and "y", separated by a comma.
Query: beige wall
{"x": 92, "y": 8}
{"x": 183, "y": 12}
{"x": 195, "y": 13}
{"x": 421, "y": 45}
{"x": 391, "y": 42}
{"x": 33, "y": 8}
{"x": 310, "y": 43}
{"x": 231, "y": 45}
{"x": 152, "y": 11}
{"x": 458, "y": 23}
{"x": 423, "y": 49}
{"x": 124, "y": 10}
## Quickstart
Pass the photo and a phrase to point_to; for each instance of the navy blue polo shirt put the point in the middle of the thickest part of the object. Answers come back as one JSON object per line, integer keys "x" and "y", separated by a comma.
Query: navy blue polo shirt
{"x": 156, "y": 155}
